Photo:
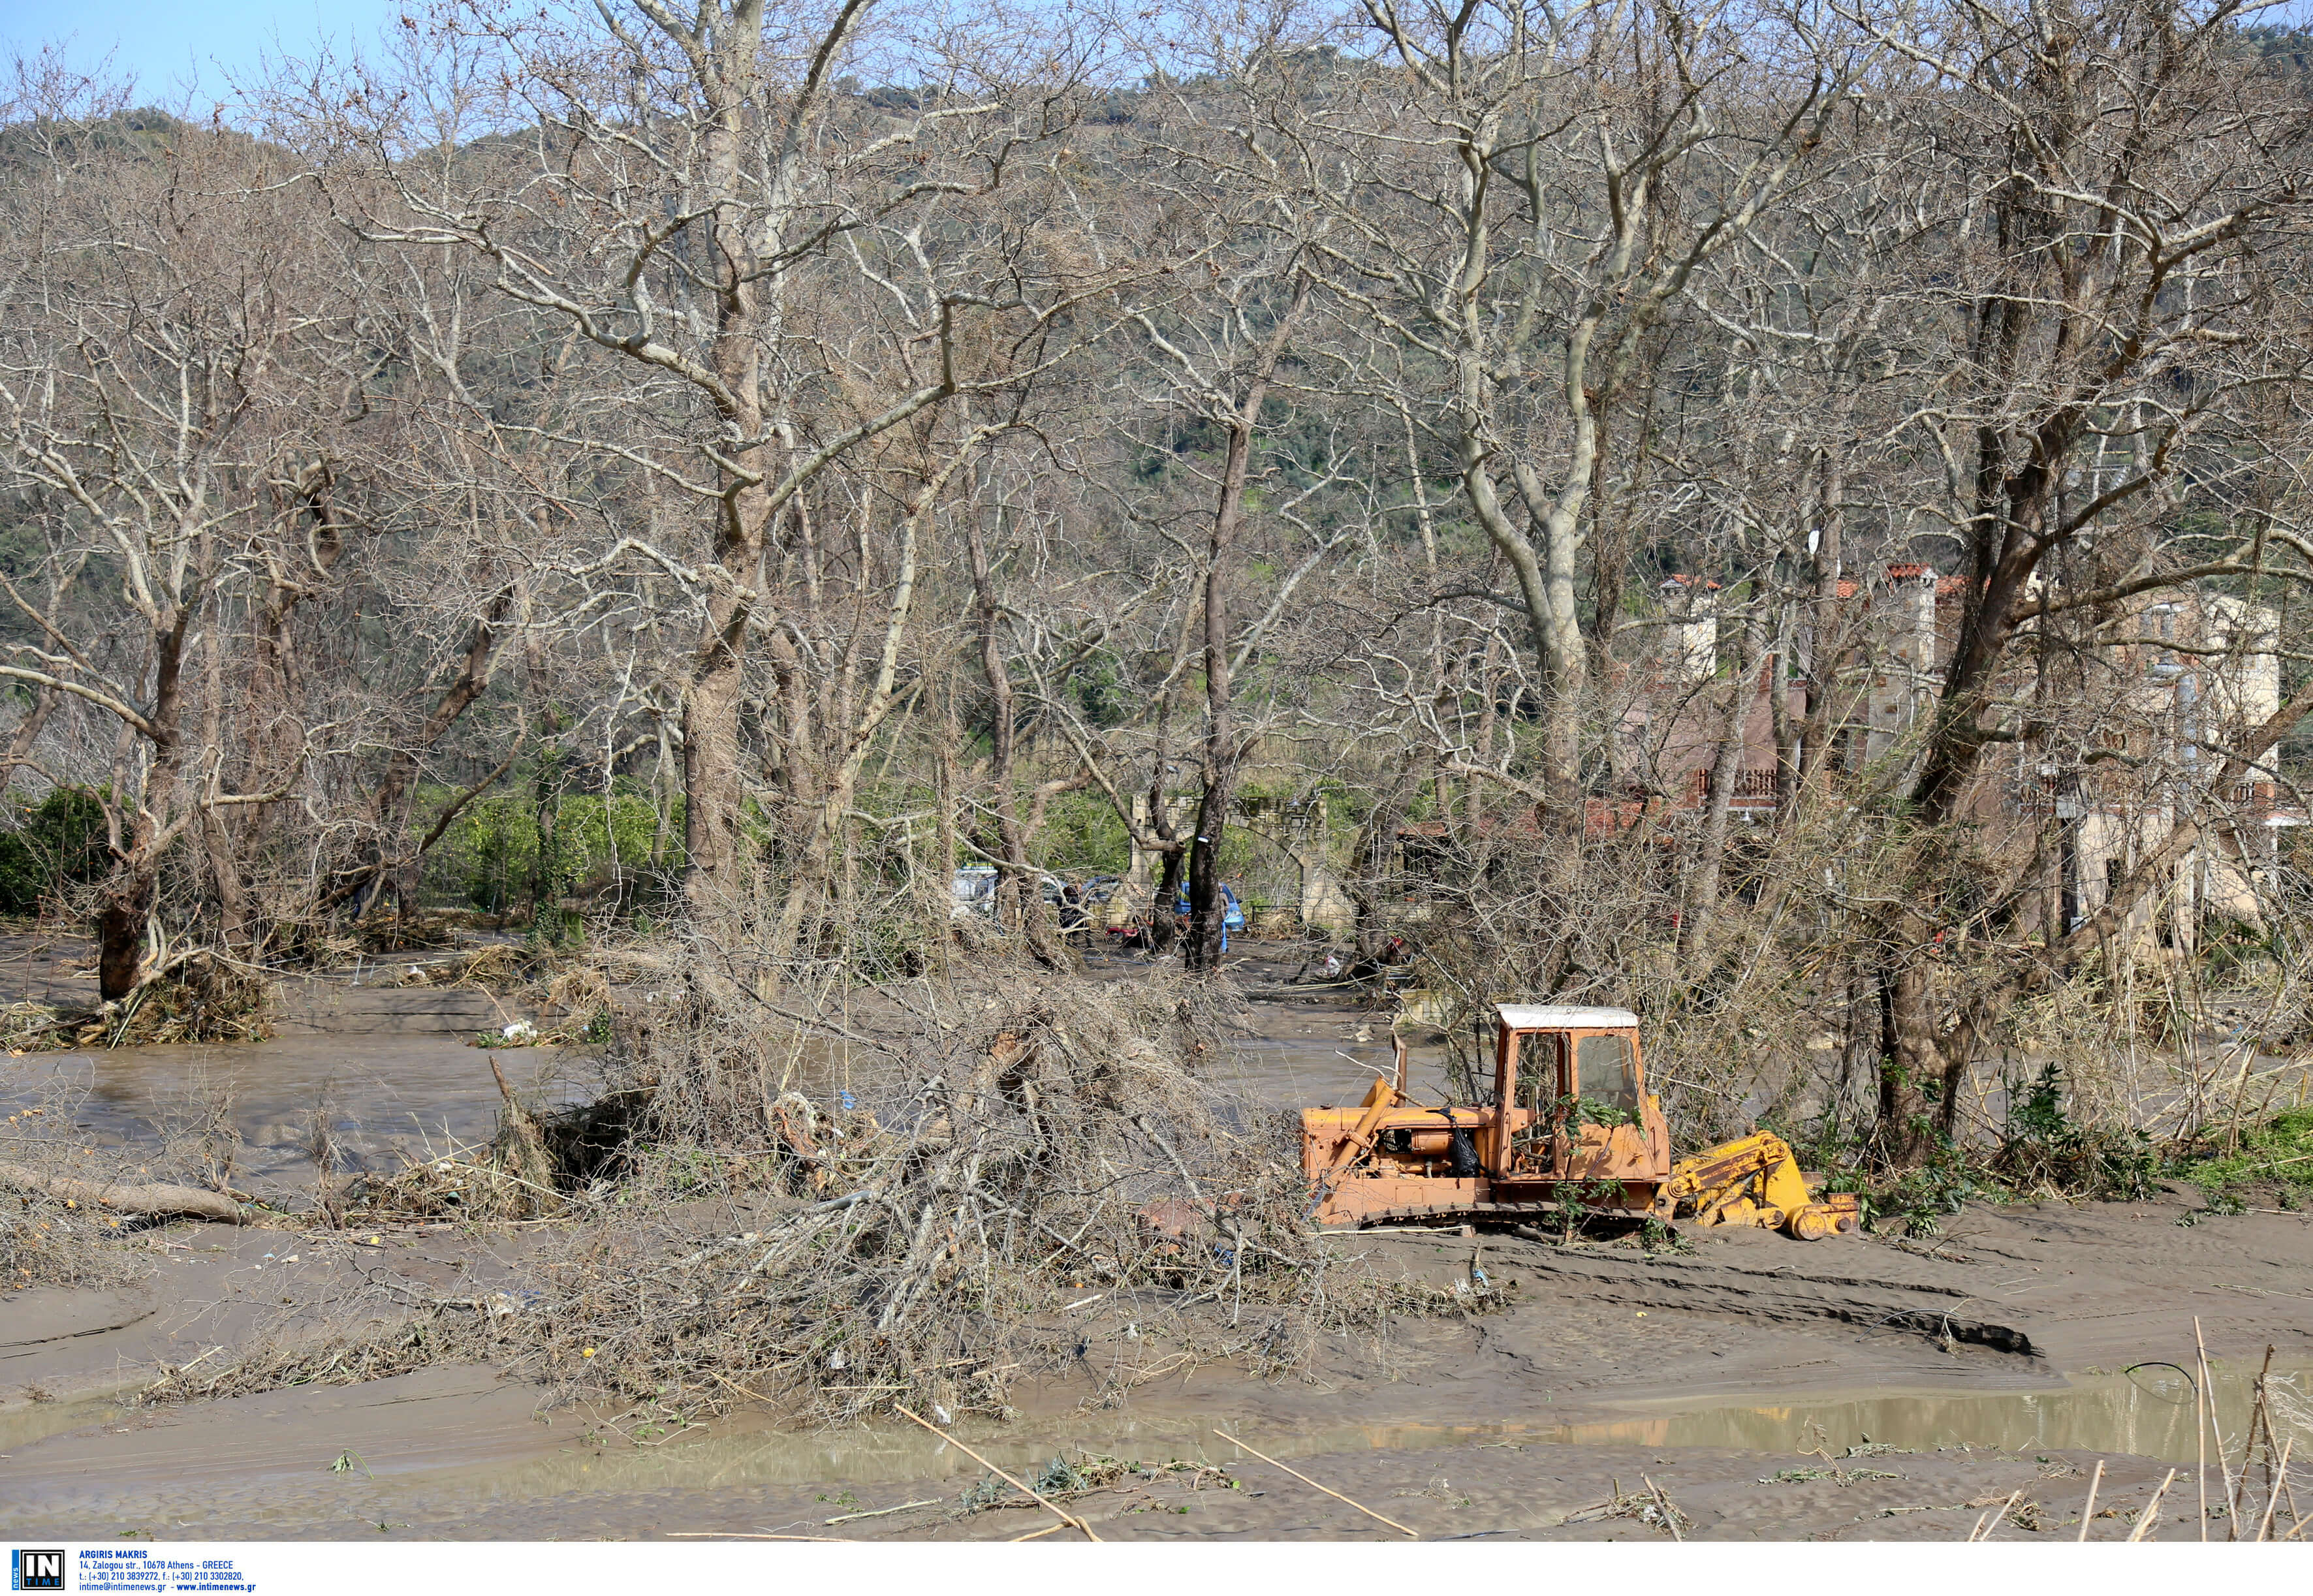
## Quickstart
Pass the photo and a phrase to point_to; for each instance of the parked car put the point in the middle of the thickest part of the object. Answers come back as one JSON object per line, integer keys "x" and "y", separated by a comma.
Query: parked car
{"x": 973, "y": 890}
{"x": 1232, "y": 912}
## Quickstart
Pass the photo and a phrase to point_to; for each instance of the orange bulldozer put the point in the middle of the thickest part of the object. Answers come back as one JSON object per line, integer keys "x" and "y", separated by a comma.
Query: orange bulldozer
{"x": 1571, "y": 1127}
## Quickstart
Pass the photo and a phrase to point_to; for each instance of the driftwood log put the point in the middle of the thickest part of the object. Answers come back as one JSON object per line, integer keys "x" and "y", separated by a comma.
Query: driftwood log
{"x": 158, "y": 1202}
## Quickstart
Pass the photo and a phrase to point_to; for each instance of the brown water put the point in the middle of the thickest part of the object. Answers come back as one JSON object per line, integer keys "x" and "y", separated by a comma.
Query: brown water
{"x": 381, "y": 1096}
{"x": 388, "y": 1070}
{"x": 392, "y": 1072}
{"x": 2148, "y": 1413}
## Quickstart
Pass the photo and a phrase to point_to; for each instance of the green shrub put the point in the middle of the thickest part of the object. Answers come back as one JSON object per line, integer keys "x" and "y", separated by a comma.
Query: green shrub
{"x": 2041, "y": 1146}
{"x": 1925, "y": 1197}
{"x": 490, "y": 855}
{"x": 51, "y": 844}
{"x": 2278, "y": 1152}
{"x": 1082, "y": 836}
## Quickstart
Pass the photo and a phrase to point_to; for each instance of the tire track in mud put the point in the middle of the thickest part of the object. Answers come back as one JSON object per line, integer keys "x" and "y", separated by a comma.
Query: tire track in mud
{"x": 1939, "y": 1312}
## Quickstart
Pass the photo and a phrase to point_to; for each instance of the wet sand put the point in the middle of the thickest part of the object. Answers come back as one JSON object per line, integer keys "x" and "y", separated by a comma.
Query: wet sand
{"x": 1708, "y": 1372}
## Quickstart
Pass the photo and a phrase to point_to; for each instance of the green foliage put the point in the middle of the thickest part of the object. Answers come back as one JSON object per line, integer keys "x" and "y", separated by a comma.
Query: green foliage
{"x": 491, "y": 855}
{"x": 140, "y": 132}
{"x": 2042, "y": 1148}
{"x": 54, "y": 844}
{"x": 2278, "y": 1152}
{"x": 2037, "y": 1117}
{"x": 1237, "y": 852}
{"x": 1581, "y": 1196}
{"x": 1082, "y": 836}
{"x": 1347, "y": 808}
{"x": 1655, "y": 1236}
{"x": 1099, "y": 687}
{"x": 2232, "y": 950}
{"x": 1922, "y": 1198}
{"x": 1583, "y": 1111}
{"x": 2287, "y": 50}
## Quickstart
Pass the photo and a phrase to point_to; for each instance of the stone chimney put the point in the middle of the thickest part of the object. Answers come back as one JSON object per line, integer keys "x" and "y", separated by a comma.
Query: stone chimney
{"x": 1692, "y": 651}
{"x": 1903, "y": 675}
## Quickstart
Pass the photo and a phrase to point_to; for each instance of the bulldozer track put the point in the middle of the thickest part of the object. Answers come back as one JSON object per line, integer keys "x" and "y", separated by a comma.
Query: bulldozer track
{"x": 1936, "y": 1311}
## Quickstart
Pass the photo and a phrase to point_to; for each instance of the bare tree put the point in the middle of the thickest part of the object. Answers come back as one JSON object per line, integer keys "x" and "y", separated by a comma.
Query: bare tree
{"x": 1587, "y": 161}
{"x": 162, "y": 325}
{"x": 2121, "y": 235}
{"x": 697, "y": 198}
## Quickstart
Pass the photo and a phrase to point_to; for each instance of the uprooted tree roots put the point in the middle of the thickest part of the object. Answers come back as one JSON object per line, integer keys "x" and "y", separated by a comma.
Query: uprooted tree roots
{"x": 1049, "y": 1189}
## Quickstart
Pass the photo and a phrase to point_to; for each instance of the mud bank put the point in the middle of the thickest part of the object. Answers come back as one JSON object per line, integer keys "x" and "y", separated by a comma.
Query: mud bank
{"x": 1733, "y": 1377}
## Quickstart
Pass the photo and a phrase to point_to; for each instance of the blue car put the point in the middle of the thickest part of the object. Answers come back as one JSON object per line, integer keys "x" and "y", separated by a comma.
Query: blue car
{"x": 1232, "y": 912}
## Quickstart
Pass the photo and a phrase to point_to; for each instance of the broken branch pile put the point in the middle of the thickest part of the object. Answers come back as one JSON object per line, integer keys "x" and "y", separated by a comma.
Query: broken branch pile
{"x": 1058, "y": 1154}
{"x": 192, "y": 995}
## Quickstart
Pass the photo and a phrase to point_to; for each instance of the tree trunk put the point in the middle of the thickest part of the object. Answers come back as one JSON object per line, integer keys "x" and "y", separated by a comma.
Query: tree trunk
{"x": 714, "y": 887}
{"x": 1011, "y": 837}
{"x": 125, "y": 907}
{"x": 1726, "y": 773}
{"x": 1908, "y": 1058}
{"x": 1546, "y": 586}
{"x": 28, "y": 733}
{"x": 1163, "y": 911}
{"x": 389, "y": 816}
{"x": 947, "y": 787}
{"x": 1371, "y": 880}
{"x": 158, "y": 1202}
{"x": 216, "y": 837}
{"x": 1208, "y": 906}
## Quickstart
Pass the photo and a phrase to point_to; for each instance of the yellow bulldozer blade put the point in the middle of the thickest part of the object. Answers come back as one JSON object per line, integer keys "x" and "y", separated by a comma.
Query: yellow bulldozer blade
{"x": 1755, "y": 1181}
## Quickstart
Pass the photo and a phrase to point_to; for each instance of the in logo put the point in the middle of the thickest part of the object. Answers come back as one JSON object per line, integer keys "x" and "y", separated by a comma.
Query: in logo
{"x": 35, "y": 1570}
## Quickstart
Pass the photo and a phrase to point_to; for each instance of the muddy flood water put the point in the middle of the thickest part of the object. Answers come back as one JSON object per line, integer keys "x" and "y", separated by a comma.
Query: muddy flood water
{"x": 2031, "y": 1337}
{"x": 391, "y": 1072}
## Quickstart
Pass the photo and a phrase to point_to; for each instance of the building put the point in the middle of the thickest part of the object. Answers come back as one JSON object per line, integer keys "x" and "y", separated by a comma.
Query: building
{"x": 2154, "y": 696}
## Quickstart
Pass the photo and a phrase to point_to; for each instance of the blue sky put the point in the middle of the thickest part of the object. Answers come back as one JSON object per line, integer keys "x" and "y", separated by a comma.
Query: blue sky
{"x": 184, "y": 49}
{"x": 168, "y": 45}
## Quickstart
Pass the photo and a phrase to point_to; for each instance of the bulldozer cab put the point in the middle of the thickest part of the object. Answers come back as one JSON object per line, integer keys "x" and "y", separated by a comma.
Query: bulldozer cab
{"x": 1571, "y": 1129}
{"x": 1570, "y": 1085}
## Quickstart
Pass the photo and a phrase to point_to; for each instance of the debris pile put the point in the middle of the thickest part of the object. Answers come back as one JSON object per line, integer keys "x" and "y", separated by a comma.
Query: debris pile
{"x": 1058, "y": 1155}
{"x": 200, "y": 998}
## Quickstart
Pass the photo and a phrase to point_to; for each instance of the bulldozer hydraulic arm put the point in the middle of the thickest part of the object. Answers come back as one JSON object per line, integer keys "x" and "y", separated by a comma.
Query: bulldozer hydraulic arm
{"x": 1755, "y": 1181}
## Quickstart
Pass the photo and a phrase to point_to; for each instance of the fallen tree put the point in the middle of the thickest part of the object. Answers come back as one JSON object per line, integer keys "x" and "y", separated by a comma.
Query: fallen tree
{"x": 154, "y": 1201}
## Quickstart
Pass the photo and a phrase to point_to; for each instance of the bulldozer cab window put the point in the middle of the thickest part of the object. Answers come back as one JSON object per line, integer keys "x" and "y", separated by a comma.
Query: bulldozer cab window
{"x": 1607, "y": 1072}
{"x": 1541, "y": 1070}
